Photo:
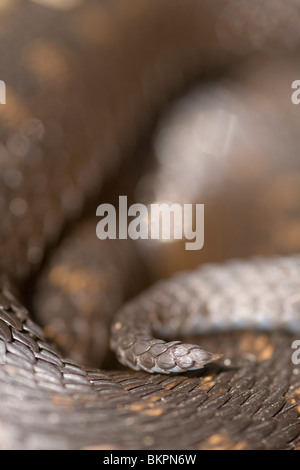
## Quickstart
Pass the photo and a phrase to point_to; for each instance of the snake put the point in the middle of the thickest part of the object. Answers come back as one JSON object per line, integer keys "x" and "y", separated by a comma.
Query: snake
{"x": 86, "y": 83}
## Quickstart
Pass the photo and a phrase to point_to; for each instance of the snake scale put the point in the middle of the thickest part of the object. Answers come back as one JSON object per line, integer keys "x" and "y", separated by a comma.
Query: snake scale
{"x": 85, "y": 84}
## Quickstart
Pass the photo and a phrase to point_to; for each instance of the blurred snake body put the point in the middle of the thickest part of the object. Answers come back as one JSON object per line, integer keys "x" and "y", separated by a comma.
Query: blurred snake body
{"x": 85, "y": 82}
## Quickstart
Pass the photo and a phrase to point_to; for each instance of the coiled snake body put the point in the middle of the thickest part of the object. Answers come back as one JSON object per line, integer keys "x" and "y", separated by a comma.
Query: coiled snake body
{"x": 85, "y": 82}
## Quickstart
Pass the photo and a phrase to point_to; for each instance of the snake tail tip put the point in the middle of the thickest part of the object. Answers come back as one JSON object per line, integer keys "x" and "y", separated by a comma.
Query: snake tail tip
{"x": 216, "y": 357}
{"x": 211, "y": 357}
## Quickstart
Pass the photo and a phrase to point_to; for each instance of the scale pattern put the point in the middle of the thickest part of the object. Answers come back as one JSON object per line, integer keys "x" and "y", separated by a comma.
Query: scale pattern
{"x": 78, "y": 101}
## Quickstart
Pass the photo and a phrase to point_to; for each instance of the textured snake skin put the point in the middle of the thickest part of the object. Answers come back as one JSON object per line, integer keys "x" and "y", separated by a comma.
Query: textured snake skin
{"x": 261, "y": 294}
{"x": 85, "y": 83}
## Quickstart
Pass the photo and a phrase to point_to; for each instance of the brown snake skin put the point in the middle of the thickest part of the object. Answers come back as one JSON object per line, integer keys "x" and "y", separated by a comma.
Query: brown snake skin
{"x": 86, "y": 81}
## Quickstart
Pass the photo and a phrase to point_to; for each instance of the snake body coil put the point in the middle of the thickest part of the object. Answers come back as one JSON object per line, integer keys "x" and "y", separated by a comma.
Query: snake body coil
{"x": 212, "y": 298}
{"x": 84, "y": 88}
